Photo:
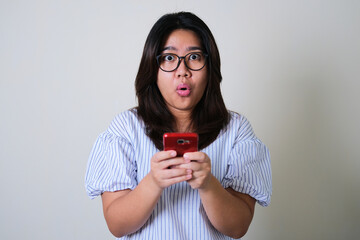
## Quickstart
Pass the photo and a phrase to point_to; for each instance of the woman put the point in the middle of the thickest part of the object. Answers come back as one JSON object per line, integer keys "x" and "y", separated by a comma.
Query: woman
{"x": 148, "y": 193}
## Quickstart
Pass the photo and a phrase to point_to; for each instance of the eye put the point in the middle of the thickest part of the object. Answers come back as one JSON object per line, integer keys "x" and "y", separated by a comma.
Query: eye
{"x": 195, "y": 56}
{"x": 168, "y": 58}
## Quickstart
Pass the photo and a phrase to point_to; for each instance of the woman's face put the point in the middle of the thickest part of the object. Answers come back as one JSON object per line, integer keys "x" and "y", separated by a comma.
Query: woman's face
{"x": 182, "y": 88}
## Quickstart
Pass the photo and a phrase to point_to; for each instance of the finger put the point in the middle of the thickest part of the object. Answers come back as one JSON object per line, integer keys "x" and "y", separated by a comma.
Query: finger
{"x": 175, "y": 166}
{"x": 196, "y": 156}
{"x": 168, "y": 163}
{"x": 194, "y": 166}
{"x": 178, "y": 179}
{"x": 175, "y": 173}
{"x": 163, "y": 155}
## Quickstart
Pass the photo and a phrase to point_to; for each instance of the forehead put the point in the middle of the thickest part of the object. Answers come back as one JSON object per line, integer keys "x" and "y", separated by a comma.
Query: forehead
{"x": 182, "y": 39}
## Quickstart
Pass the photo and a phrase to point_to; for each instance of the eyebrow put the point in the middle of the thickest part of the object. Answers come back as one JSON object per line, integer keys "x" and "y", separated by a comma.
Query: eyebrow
{"x": 188, "y": 49}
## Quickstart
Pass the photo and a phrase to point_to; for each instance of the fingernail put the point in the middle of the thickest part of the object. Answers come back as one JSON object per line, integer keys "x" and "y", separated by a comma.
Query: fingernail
{"x": 173, "y": 153}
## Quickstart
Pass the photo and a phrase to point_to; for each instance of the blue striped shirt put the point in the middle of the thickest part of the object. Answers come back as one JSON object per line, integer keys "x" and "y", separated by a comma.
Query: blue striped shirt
{"x": 120, "y": 159}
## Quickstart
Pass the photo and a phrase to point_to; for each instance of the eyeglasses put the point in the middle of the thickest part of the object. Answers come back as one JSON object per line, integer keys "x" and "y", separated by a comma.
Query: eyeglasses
{"x": 169, "y": 62}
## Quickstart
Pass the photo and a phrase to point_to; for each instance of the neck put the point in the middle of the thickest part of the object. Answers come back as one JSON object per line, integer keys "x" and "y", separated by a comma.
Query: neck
{"x": 182, "y": 121}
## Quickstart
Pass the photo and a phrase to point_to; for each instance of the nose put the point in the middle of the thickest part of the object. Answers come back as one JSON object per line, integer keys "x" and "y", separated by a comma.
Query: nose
{"x": 182, "y": 70}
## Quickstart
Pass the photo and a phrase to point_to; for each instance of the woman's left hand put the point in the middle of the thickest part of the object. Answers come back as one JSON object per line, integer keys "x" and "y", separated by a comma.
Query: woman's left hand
{"x": 200, "y": 164}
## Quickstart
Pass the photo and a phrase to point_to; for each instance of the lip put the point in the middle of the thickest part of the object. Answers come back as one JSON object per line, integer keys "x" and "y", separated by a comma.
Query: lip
{"x": 183, "y": 90}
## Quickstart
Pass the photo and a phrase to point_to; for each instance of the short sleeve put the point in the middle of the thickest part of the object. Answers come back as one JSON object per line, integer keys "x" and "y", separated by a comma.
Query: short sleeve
{"x": 111, "y": 166}
{"x": 249, "y": 169}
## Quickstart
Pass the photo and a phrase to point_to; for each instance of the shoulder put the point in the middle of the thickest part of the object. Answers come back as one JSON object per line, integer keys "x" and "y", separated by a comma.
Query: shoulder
{"x": 125, "y": 122}
{"x": 240, "y": 125}
{"x": 237, "y": 117}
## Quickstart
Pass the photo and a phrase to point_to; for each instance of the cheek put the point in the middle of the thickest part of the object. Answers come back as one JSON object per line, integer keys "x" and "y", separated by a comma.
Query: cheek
{"x": 160, "y": 80}
{"x": 203, "y": 83}
{"x": 163, "y": 82}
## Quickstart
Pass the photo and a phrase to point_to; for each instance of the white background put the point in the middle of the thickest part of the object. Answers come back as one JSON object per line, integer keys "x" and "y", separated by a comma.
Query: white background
{"x": 291, "y": 67}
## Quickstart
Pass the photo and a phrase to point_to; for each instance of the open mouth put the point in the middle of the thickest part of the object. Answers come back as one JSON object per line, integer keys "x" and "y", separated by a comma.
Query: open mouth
{"x": 183, "y": 90}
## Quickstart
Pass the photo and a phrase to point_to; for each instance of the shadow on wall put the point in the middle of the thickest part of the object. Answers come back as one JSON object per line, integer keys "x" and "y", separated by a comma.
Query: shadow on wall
{"x": 315, "y": 157}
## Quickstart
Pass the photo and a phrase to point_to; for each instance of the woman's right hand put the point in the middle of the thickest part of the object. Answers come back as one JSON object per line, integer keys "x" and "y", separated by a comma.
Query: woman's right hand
{"x": 164, "y": 171}
{"x": 127, "y": 210}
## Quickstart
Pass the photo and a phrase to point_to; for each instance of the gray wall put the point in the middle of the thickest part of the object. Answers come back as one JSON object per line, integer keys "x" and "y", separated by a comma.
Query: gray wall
{"x": 68, "y": 67}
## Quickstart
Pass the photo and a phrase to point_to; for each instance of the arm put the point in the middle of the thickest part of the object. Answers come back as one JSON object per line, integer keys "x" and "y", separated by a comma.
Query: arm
{"x": 230, "y": 212}
{"x": 126, "y": 211}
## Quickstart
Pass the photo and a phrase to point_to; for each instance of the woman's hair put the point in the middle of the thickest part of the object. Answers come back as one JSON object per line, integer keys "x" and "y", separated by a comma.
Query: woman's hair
{"x": 210, "y": 115}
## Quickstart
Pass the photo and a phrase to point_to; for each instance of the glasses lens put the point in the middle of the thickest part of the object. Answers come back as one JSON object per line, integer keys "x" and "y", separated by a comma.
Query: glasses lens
{"x": 169, "y": 62}
{"x": 195, "y": 61}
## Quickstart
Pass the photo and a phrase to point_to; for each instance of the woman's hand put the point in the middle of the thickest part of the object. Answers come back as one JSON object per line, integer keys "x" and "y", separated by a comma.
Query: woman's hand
{"x": 200, "y": 165}
{"x": 163, "y": 171}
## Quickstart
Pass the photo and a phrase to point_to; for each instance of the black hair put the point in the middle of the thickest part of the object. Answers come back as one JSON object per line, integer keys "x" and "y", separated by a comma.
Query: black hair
{"x": 210, "y": 115}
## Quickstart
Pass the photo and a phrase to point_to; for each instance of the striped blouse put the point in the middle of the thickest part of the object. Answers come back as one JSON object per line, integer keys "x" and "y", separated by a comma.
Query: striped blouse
{"x": 120, "y": 159}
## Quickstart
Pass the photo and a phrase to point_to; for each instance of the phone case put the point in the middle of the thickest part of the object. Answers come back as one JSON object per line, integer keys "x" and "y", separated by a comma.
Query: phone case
{"x": 180, "y": 142}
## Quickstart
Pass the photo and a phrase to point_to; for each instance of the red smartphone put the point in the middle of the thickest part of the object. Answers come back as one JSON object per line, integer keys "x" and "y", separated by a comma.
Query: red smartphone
{"x": 180, "y": 142}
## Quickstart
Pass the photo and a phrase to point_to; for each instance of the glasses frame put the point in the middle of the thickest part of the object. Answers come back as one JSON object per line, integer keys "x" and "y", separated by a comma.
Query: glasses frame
{"x": 179, "y": 61}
